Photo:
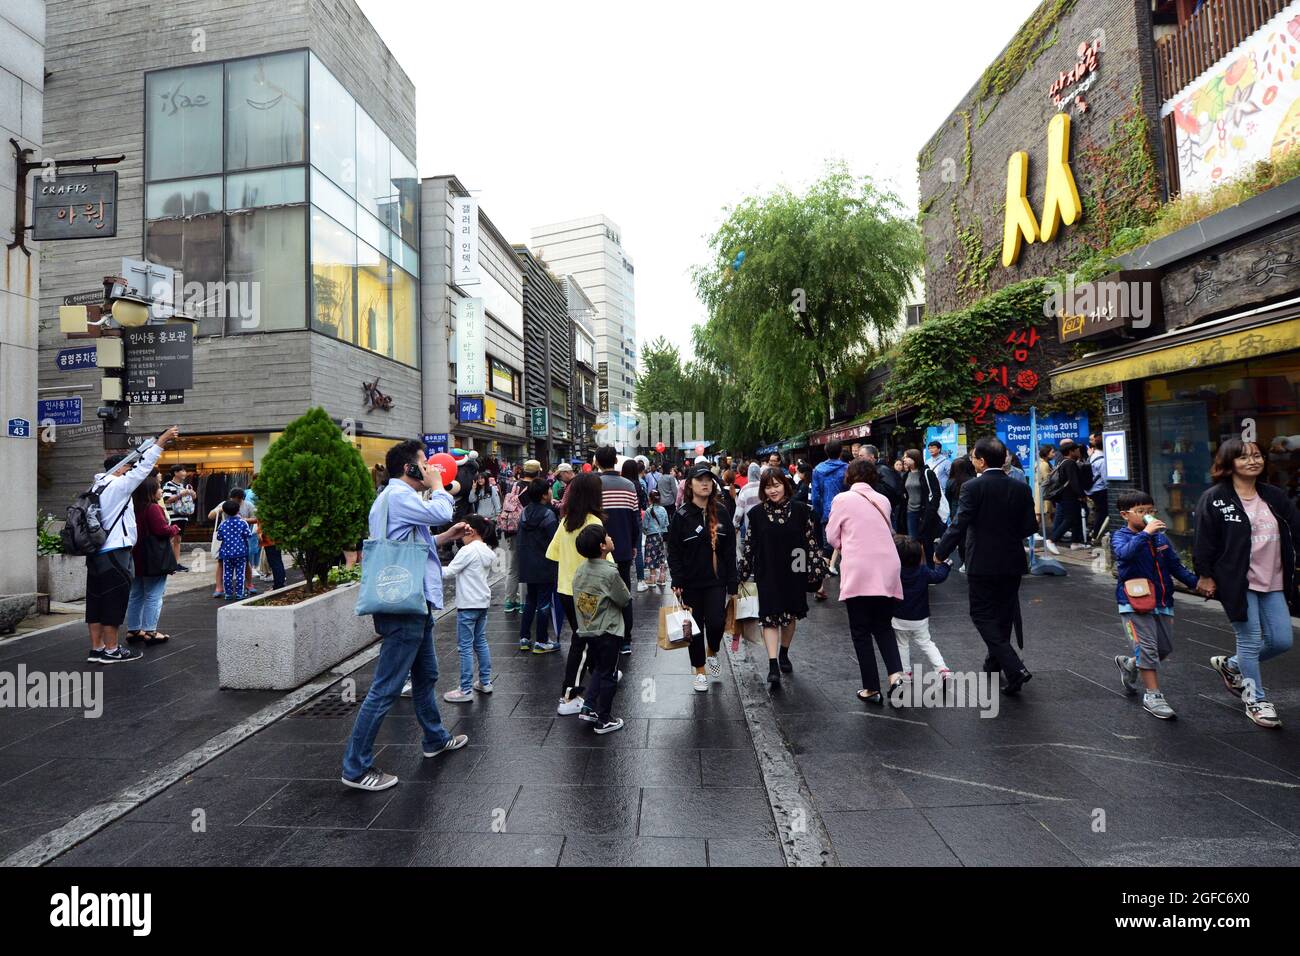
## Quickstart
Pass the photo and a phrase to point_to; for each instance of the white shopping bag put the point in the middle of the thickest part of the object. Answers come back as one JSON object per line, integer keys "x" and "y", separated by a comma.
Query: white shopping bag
{"x": 747, "y": 601}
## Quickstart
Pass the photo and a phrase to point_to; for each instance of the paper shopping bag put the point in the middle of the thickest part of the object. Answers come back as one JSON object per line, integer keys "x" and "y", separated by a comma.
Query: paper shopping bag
{"x": 675, "y": 626}
{"x": 752, "y": 631}
{"x": 747, "y": 601}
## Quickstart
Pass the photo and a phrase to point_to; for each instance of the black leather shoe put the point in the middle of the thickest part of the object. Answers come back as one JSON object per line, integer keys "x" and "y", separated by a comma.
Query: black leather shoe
{"x": 784, "y": 663}
{"x": 1018, "y": 680}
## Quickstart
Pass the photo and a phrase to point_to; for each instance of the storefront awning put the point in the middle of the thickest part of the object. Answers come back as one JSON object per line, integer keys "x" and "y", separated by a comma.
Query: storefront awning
{"x": 1231, "y": 339}
{"x": 842, "y": 433}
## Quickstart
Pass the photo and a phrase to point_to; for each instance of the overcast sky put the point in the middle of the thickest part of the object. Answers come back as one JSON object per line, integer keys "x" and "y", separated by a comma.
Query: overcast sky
{"x": 661, "y": 114}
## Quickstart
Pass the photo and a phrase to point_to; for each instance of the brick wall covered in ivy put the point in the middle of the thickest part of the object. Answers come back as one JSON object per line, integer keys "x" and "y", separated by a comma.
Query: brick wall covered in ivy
{"x": 1114, "y": 152}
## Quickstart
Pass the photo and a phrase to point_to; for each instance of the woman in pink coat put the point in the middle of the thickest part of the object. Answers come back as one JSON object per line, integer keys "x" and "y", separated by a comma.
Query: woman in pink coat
{"x": 870, "y": 578}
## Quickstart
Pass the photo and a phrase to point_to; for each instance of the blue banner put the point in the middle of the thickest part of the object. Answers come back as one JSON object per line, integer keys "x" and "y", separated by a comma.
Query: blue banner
{"x": 469, "y": 409}
{"x": 60, "y": 411}
{"x": 1013, "y": 430}
{"x": 434, "y": 443}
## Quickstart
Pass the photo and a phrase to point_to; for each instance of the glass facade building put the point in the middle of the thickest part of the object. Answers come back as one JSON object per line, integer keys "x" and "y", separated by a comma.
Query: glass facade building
{"x": 266, "y": 170}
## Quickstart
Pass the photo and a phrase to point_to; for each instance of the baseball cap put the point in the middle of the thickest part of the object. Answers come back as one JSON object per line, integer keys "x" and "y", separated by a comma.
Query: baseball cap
{"x": 562, "y": 466}
{"x": 532, "y": 467}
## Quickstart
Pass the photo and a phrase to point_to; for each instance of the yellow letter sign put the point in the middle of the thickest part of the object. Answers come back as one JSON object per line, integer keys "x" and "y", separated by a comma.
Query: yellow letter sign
{"x": 1060, "y": 196}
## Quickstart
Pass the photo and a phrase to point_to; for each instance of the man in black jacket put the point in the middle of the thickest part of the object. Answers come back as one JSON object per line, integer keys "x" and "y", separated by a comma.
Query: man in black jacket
{"x": 1069, "y": 504}
{"x": 995, "y": 513}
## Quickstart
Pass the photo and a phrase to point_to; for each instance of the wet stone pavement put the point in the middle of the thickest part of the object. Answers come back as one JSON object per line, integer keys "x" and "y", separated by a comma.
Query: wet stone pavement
{"x": 679, "y": 785}
{"x": 1072, "y": 772}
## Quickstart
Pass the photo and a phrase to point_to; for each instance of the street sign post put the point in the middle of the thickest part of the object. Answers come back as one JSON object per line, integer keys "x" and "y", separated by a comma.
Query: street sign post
{"x": 156, "y": 397}
{"x": 59, "y": 411}
{"x": 434, "y": 443}
{"x": 159, "y": 359}
{"x": 71, "y": 360}
{"x": 20, "y": 428}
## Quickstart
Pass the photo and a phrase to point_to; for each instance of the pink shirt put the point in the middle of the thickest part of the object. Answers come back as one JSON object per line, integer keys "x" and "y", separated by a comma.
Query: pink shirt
{"x": 1265, "y": 572}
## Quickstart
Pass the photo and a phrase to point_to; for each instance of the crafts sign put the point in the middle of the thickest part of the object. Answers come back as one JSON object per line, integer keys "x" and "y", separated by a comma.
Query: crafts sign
{"x": 76, "y": 206}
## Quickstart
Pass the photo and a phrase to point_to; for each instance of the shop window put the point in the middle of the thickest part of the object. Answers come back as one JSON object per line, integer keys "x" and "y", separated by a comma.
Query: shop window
{"x": 333, "y": 263}
{"x": 506, "y": 380}
{"x": 265, "y": 111}
{"x": 337, "y": 204}
{"x": 406, "y": 187}
{"x": 372, "y": 300}
{"x": 406, "y": 318}
{"x": 269, "y": 247}
{"x": 374, "y": 188}
{"x": 333, "y": 129}
{"x": 1189, "y": 415}
{"x": 183, "y": 115}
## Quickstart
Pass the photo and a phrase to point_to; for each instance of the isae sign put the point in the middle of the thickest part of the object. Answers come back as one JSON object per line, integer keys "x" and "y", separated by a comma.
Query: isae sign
{"x": 1061, "y": 202}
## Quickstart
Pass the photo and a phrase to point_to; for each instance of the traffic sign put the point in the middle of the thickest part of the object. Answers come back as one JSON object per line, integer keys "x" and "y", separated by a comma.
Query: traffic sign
{"x": 434, "y": 443}
{"x": 70, "y": 360}
{"x": 84, "y": 298}
{"x": 60, "y": 411}
{"x": 20, "y": 428}
{"x": 156, "y": 397}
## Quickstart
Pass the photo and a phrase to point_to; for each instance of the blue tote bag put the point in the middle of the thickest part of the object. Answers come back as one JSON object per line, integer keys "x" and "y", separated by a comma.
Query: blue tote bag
{"x": 392, "y": 573}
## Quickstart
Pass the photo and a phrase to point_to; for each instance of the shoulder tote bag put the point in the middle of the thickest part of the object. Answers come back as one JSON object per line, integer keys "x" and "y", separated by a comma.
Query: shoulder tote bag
{"x": 392, "y": 573}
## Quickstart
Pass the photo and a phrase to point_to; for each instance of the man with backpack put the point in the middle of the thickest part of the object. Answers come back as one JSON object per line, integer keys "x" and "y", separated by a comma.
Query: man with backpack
{"x": 101, "y": 525}
{"x": 512, "y": 509}
{"x": 1066, "y": 489}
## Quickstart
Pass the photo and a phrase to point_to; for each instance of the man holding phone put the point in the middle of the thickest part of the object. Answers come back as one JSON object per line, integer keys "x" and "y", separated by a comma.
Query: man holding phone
{"x": 407, "y": 638}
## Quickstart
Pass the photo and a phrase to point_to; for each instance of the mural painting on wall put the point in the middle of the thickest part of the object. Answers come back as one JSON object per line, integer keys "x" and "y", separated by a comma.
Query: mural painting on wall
{"x": 1244, "y": 110}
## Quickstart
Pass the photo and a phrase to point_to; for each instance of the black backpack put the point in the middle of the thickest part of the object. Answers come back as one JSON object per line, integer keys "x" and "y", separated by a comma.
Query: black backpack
{"x": 1058, "y": 481}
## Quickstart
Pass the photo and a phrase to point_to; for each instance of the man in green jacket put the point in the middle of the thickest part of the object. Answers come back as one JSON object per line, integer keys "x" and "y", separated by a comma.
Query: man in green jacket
{"x": 599, "y": 596}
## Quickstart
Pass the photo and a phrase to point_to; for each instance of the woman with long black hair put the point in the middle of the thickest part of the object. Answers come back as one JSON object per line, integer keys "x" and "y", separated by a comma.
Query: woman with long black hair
{"x": 781, "y": 531}
{"x": 702, "y": 563}
{"x": 961, "y": 472}
{"x": 581, "y": 508}
{"x": 923, "y": 501}
{"x": 1245, "y": 551}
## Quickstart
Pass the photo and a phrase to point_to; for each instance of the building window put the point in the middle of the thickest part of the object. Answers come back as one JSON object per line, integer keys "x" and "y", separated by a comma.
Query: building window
{"x": 505, "y": 380}
{"x": 265, "y": 111}
{"x": 266, "y": 187}
{"x": 194, "y": 247}
{"x": 333, "y": 129}
{"x": 183, "y": 116}
{"x": 183, "y": 197}
{"x": 268, "y": 247}
{"x": 333, "y": 265}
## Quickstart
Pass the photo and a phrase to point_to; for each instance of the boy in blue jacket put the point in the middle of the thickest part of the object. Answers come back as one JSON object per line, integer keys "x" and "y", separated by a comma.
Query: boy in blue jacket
{"x": 1142, "y": 551}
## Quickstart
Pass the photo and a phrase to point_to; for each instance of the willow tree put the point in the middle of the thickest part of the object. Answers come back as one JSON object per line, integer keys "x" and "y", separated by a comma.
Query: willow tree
{"x": 800, "y": 287}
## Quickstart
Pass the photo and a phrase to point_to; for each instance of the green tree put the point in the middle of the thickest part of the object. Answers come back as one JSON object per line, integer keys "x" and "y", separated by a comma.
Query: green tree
{"x": 314, "y": 494}
{"x": 822, "y": 282}
{"x": 660, "y": 384}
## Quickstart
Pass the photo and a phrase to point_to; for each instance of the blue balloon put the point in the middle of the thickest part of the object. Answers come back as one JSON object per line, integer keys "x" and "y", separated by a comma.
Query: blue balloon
{"x": 740, "y": 260}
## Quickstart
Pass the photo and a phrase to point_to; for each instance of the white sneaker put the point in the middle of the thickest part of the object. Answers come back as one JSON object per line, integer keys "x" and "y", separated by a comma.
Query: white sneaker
{"x": 1051, "y": 546}
{"x": 406, "y": 688}
{"x": 1080, "y": 547}
{"x": 640, "y": 585}
{"x": 458, "y": 696}
{"x": 1263, "y": 713}
{"x": 568, "y": 708}
{"x": 715, "y": 668}
{"x": 485, "y": 688}
{"x": 701, "y": 683}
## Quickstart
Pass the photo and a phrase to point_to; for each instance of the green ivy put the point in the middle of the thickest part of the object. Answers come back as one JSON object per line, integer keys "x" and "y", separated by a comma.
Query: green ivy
{"x": 976, "y": 265}
{"x": 1029, "y": 43}
{"x": 968, "y": 150}
{"x": 1122, "y": 194}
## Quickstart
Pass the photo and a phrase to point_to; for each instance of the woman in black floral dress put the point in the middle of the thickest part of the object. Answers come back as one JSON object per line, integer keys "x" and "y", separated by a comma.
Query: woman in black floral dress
{"x": 783, "y": 558}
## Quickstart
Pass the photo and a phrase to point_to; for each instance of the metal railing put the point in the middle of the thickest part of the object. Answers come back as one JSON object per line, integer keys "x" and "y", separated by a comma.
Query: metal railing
{"x": 1208, "y": 35}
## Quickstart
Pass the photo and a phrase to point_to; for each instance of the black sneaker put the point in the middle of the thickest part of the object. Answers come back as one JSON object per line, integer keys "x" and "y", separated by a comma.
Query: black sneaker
{"x": 373, "y": 779}
{"x": 588, "y": 715}
{"x": 95, "y": 656}
{"x": 118, "y": 655}
{"x": 1017, "y": 681}
{"x": 182, "y": 567}
{"x": 609, "y": 726}
{"x": 626, "y": 648}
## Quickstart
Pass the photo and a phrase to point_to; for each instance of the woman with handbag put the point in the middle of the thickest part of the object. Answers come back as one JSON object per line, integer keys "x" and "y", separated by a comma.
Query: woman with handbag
{"x": 702, "y": 564}
{"x": 870, "y": 573}
{"x": 780, "y": 531}
{"x": 1245, "y": 554}
{"x": 924, "y": 502}
{"x": 154, "y": 560}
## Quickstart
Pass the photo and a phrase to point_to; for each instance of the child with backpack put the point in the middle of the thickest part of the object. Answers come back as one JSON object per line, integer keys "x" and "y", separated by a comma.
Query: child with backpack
{"x": 1146, "y": 565}
{"x": 233, "y": 533}
{"x": 471, "y": 568}
{"x": 655, "y": 526}
{"x": 599, "y": 596}
{"x": 911, "y": 620}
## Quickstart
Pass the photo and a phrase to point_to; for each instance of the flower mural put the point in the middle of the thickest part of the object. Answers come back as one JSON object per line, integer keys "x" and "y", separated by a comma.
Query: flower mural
{"x": 1245, "y": 110}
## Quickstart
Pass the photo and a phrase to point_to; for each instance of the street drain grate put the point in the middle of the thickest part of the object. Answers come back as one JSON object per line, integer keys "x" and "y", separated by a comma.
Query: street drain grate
{"x": 327, "y": 707}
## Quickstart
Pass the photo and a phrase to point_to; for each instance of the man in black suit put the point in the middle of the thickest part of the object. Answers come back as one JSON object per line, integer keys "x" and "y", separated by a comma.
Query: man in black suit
{"x": 995, "y": 513}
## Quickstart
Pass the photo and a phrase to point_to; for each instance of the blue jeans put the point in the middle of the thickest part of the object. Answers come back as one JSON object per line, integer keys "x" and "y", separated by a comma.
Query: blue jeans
{"x": 407, "y": 648}
{"x": 145, "y": 604}
{"x": 254, "y": 551}
{"x": 1264, "y": 634}
{"x": 640, "y": 560}
{"x": 537, "y": 604}
{"x": 471, "y": 640}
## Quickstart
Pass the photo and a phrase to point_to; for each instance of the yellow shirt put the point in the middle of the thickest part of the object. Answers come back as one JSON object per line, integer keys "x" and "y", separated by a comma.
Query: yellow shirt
{"x": 563, "y": 550}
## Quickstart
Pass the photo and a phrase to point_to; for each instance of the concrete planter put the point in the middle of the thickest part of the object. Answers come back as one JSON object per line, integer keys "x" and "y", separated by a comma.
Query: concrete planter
{"x": 61, "y": 576}
{"x": 280, "y": 648}
{"x": 13, "y": 608}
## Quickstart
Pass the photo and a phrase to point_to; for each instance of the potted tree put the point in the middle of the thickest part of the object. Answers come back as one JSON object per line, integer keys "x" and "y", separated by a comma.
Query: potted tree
{"x": 313, "y": 498}
{"x": 60, "y": 576}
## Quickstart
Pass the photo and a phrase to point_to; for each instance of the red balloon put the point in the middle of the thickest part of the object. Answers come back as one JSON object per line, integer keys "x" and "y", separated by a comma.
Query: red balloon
{"x": 586, "y": 467}
{"x": 793, "y": 469}
{"x": 659, "y": 447}
{"x": 445, "y": 464}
